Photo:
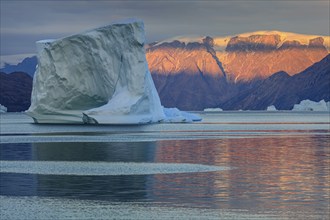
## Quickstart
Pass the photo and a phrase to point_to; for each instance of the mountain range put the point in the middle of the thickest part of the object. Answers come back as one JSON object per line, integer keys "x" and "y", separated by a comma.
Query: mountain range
{"x": 249, "y": 71}
{"x": 28, "y": 65}
{"x": 194, "y": 73}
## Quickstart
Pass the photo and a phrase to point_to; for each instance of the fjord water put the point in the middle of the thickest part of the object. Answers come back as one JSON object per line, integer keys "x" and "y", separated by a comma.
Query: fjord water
{"x": 277, "y": 167}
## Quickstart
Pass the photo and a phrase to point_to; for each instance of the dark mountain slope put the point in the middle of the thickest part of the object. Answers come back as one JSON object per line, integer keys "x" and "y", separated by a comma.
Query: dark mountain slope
{"x": 15, "y": 91}
{"x": 283, "y": 91}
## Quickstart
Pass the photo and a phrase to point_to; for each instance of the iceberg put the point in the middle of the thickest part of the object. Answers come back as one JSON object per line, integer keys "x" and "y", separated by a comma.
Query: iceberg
{"x": 100, "y": 76}
{"x": 213, "y": 110}
{"x": 3, "y": 109}
{"x": 175, "y": 115}
{"x": 308, "y": 105}
{"x": 271, "y": 108}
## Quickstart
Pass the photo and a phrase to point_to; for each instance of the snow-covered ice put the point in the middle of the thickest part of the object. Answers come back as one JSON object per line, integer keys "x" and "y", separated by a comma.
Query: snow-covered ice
{"x": 213, "y": 110}
{"x": 3, "y": 109}
{"x": 271, "y": 108}
{"x": 308, "y": 105}
{"x": 100, "y": 76}
{"x": 175, "y": 115}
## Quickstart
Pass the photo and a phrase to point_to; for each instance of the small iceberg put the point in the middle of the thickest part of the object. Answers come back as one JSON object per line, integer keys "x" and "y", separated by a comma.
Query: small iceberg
{"x": 3, "y": 109}
{"x": 175, "y": 115}
{"x": 308, "y": 105}
{"x": 271, "y": 108}
{"x": 213, "y": 110}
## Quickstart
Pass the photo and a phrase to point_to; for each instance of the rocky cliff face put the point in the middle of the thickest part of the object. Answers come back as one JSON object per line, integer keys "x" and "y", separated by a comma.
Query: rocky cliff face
{"x": 253, "y": 43}
{"x": 196, "y": 73}
{"x": 259, "y": 56}
{"x": 192, "y": 58}
{"x": 187, "y": 75}
{"x": 283, "y": 90}
{"x": 242, "y": 58}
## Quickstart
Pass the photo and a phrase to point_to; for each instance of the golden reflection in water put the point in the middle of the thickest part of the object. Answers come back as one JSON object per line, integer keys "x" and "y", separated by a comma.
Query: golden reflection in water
{"x": 280, "y": 172}
{"x": 183, "y": 187}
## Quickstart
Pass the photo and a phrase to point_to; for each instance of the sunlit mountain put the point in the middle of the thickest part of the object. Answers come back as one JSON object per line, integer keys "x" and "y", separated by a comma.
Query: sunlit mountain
{"x": 201, "y": 72}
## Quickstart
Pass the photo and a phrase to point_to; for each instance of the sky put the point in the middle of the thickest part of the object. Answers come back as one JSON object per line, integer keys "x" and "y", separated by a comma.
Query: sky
{"x": 23, "y": 22}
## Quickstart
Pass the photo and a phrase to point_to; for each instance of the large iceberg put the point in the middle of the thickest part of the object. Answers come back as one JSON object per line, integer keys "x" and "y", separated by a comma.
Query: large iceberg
{"x": 99, "y": 76}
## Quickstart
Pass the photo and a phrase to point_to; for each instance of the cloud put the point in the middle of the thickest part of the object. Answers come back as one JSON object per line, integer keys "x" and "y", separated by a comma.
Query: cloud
{"x": 24, "y": 22}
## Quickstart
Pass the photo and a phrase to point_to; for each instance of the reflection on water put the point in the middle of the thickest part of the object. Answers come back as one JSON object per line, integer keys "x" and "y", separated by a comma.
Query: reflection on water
{"x": 111, "y": 152}
{"x": 271, "y": 173}
{"x": 281, "y": 173}
{"x": 114, "y": 188}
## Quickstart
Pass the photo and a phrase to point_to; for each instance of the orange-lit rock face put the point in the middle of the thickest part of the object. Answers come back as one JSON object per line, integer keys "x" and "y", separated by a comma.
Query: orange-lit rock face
{"x": 185, "y": 72}
{"x": 247, "y": 65}
{"x": 193, "y": 73}
{"x": 180, "y": 60}
{"x": 253, "y": 43}
{"x": 259, "y": 56}
{"x": 243, "y": 59}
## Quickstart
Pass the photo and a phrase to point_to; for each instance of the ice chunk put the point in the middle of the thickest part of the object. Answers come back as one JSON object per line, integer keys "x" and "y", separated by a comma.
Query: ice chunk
{"x": 99, "y": 76}
{"x": 213, "y": 110}
{"x": 3, "y": 109}
{"x": 271, "y": 108}
{"x": 175, "y": 115}
{"x": 308, "y": 105}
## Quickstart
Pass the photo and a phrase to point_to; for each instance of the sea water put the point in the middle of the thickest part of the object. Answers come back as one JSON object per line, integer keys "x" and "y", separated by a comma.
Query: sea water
{"x": 232, "y": 165}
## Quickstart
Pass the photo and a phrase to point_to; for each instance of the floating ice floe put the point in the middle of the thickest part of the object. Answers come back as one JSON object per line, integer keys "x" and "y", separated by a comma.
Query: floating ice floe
{"x": 3, "y": 109}
{"x": 213, "y": 110}
{"x": 102, "y": 168}
{"x": 101, "y": 77}
{"x": 271, "y": 108}
{"x": 175, "y": 115}
{"x": 308, "y": 105}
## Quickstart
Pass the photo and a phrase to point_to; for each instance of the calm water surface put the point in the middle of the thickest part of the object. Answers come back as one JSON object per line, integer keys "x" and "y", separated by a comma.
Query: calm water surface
{"x": 279, "y": 176}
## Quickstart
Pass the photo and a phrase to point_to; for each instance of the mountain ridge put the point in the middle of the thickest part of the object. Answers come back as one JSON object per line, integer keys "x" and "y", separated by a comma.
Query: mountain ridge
{"x": 243, "y": 57}
{"x": 250, "y": 73}
{"x": 27, "y": 65}
{"x": 220, "y": 42}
